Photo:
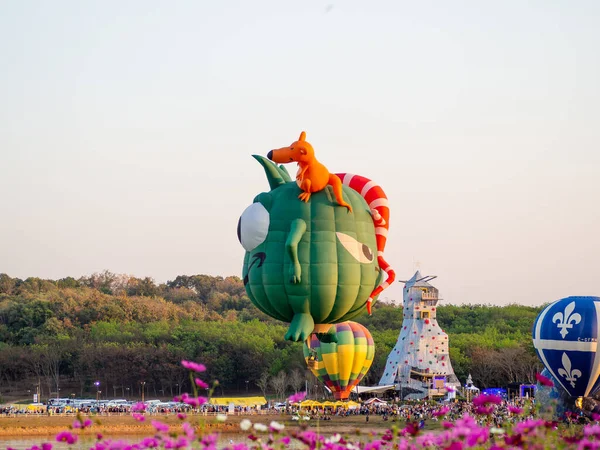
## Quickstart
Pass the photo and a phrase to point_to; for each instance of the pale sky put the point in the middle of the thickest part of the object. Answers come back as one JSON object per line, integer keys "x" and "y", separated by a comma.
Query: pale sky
{"x": 127, "y": 129}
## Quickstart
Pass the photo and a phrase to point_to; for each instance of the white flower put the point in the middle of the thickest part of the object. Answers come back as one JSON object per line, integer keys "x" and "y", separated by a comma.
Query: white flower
{"x": 276, "y": 426}
{"x": 221, "y": 417}
{"x": 495, "y": 430}
{"x": 350, "y": 446}
{"x": 333, "y": 439}
{"x": 245, "y": 425}
{"x": 260, "y": 427}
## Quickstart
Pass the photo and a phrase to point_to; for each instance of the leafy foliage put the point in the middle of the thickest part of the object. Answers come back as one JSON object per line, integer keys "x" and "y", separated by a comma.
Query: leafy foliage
{"x": 122, "y": 330}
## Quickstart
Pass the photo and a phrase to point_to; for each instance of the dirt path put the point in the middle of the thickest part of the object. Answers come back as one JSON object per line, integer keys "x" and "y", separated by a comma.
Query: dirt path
{"x": 127, "y": 425}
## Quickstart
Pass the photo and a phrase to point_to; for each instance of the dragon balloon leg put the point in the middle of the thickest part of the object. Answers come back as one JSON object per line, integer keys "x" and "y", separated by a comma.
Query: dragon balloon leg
{"x": 314, "y": 258}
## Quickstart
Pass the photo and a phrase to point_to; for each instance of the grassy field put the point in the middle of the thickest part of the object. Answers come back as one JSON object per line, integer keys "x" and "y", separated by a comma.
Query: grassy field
{"x": 127, "y": 425}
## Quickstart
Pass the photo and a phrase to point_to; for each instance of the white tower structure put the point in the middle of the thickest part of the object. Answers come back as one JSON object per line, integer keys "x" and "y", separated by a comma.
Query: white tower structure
{"x": 419, "y": 364}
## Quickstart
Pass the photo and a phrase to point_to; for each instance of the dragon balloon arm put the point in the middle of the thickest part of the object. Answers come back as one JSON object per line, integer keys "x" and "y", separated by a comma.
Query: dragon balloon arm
{"x": 297, "y": 230}
{"x": 302, "y": 323}
{"x": 301, "y": 172}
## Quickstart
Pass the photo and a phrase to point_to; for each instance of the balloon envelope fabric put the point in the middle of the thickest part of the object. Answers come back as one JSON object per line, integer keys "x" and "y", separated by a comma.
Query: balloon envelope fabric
{"x": 341, "y": 366}
{"x": 565, "y": 337}
{"x": 308, "y": 263}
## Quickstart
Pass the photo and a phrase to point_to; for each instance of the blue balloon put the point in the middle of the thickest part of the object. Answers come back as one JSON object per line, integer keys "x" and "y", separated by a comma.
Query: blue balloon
{"x": 565, "y": 337}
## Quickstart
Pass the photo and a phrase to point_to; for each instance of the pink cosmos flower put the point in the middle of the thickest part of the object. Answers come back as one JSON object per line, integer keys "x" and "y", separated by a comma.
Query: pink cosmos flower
{"x": 310, "y": 438}
{"x": 66, "y": 436}
{"x": 528, "y": 426}
{"x": 479, "y": 435}
{"x": 201, "y": 383}
{"x": 427, "y": 440}
{"x": 196, "y": 367}
{"x": 181, "y": 416}
{"x": 85, "y": 424}
{"x": 441, "y": 412}
{"x": 180, "y": 442}
{"x": 515, "y": 440}
{"x": 467, "y": 422}
{"x": 149, "y": 442}
{"x": 46, "y": 446}
{"x": 592, "y": 430}
{"x": 139, "y": 406}
{"x": 544, "y": 381}
{"x": 188, "y": 430}
{"x": 412, "y": 428}
{"x": 483, "y": 399}
{"x": 297, "y": 397}
{"x": 163, "y": 427}
{"x": 210, "y": 440}
{"x": 193, "y": 401}
{"x": 515, "y": 409}
{"x": 139, "y": 417}
{"x": 113, "y": 445}
{"x": 484, "y": 410}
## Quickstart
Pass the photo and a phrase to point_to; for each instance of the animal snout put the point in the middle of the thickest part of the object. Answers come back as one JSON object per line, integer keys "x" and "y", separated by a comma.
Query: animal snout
{"x": 270, "y": 155}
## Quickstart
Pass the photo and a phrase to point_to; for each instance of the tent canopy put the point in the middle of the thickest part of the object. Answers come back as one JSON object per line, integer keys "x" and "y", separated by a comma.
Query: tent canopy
{"x": 377, "y": 389}
{"x": 375, "y": 401}
{"x": 238, "y": 401}
{"x": 316, "y": 404}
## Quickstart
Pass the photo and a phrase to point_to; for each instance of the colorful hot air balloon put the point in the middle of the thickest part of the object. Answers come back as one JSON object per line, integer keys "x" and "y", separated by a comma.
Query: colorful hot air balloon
{"x": 565, "y": 337}
{"x": 341, "y": 366}
{"x": 314, "y": 262}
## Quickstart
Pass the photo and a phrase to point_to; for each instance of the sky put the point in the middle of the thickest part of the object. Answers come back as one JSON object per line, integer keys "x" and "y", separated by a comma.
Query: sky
{"x": 127, "y": 129}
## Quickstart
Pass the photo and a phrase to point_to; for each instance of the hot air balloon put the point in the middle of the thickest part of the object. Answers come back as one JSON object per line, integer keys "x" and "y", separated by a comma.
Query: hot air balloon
{"x": 317, "y": 259}
{"x": 565, "y": 337}
{"x": 341, "y": 366}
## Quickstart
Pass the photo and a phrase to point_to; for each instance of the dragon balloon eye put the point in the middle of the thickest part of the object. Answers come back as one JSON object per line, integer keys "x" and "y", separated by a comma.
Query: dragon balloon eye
{"x": 361, "y": 252}
{"x": 253, "y": 226}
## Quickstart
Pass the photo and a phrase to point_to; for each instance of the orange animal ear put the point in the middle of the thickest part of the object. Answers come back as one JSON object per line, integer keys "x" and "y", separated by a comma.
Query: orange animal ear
{"x": 302, "y": 151}
{"x": 302, "y": 136}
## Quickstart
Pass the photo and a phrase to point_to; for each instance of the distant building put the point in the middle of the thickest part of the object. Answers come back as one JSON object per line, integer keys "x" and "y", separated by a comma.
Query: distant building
{"x": 419, "y": 365}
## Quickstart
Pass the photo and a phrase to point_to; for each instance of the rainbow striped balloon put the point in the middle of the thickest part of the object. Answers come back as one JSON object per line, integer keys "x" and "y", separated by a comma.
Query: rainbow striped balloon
{"x": 341, "y": 366}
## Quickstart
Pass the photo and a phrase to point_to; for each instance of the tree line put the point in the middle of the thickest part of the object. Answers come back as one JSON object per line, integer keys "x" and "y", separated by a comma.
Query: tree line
{"x": 131, "y": 333}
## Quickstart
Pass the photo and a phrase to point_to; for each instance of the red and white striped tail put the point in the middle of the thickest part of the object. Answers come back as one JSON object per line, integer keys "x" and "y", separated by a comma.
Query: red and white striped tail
{"x": 380, "y": 211}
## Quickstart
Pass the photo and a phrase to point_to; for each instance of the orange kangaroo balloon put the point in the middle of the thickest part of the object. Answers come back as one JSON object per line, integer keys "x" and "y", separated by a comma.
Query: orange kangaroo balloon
{"x": 312, "y": 176}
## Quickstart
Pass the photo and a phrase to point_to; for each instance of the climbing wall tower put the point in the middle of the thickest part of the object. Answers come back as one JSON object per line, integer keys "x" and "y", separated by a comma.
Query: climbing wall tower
{"x": 419, "y": 364}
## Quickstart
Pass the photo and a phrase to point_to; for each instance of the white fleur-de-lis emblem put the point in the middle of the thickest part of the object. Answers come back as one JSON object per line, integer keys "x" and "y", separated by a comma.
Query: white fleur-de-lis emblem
{"x": 567, "y": 319}
{"x": 570, "y": 375}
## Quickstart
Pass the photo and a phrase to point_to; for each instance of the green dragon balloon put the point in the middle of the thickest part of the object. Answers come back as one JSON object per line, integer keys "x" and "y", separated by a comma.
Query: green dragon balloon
{"x": 313, "y": 261}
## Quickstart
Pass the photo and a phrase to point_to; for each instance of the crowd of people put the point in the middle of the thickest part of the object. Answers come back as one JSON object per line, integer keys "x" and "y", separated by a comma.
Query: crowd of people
{"x": 413, "y": 411}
